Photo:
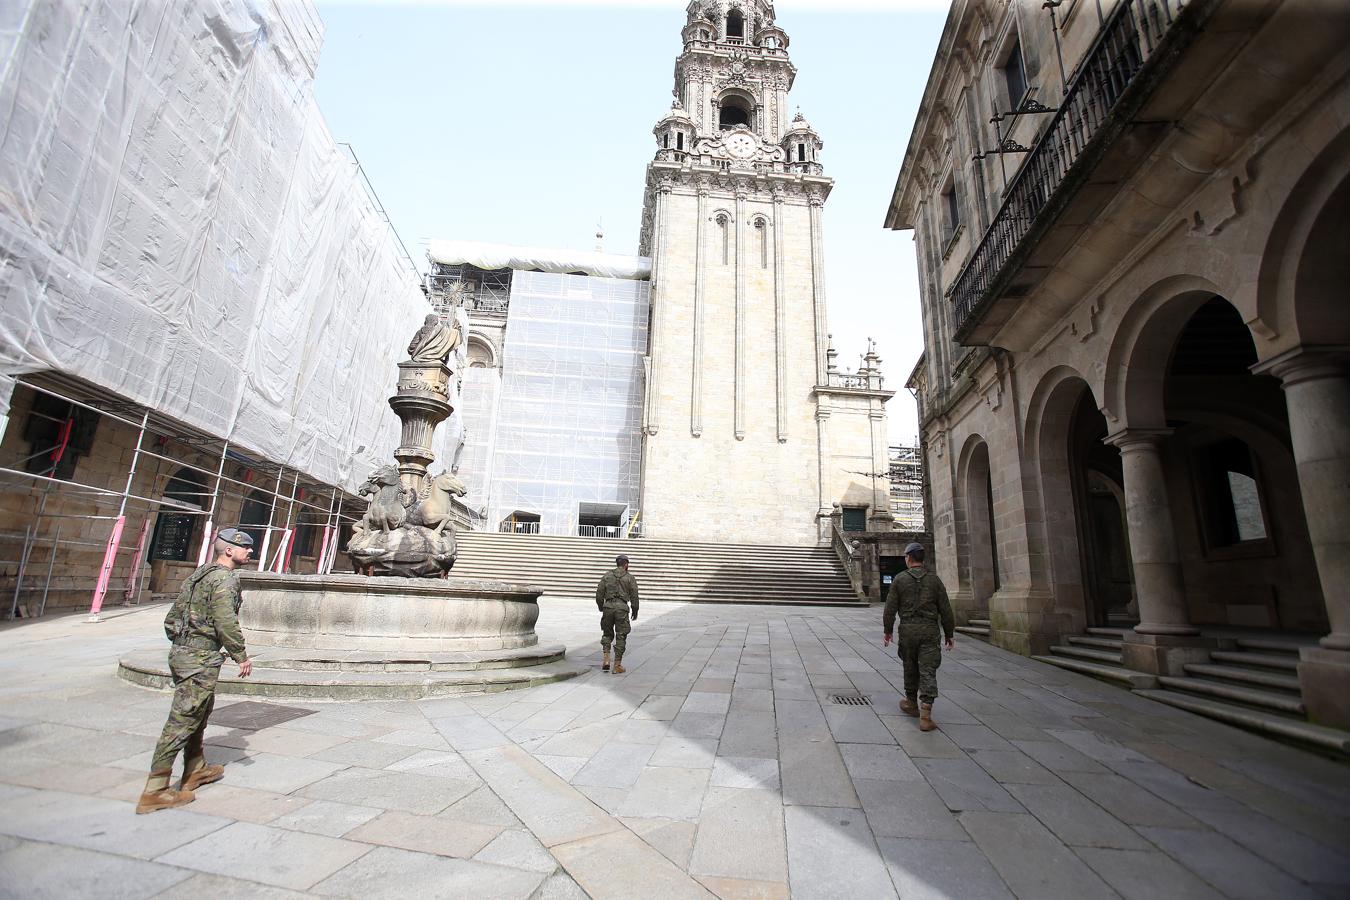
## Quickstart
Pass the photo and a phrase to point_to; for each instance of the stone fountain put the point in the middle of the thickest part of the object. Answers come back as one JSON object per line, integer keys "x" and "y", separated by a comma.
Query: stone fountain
{"x": 401, "y": 627}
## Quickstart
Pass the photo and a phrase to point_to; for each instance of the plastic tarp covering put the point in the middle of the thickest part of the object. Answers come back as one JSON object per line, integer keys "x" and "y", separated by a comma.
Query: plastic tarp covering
{"x": 543, "y": 259}
{"x": 567, "y": 427}
{"x": 178, "y": 227}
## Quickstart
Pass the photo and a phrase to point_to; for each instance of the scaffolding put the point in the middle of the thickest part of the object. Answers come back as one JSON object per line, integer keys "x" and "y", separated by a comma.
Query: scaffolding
{"x": 168, "y": 460}
{"x": 905, "y": 465}
{"x": 564, "y": 438}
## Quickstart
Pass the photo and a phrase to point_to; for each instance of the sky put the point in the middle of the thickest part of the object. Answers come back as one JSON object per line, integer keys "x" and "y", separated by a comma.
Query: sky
{"x": 532, "y": 123}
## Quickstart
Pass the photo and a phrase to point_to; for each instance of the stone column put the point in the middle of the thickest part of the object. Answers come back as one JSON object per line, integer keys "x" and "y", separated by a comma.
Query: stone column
{"x": 1316, "y": 385}
{"x": 696, "y": 376}
{"x": 1164, "y": 639}
{"x": 742, "y": 195}
{"x": 779, "y": 315}
{"x": 659, "y": 240}
{"x": 817, "y": 203}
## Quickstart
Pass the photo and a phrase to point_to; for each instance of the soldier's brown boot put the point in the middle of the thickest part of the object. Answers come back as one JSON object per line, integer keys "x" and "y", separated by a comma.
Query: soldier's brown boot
{"x": 909, "y": 707}
{"x": 926, "y": 717}
{"x": 158, "y": 795}
{"x": 618, "y": 667}
{"x": 605, "y": 666}
{"x": 197, "y": 773}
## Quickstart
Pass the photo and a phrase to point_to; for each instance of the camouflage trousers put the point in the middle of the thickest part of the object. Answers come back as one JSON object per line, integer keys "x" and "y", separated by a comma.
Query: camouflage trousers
{"x": 194, "y": 678}
{"x": 920, "y": 650}
{"x": 614, "y": 627}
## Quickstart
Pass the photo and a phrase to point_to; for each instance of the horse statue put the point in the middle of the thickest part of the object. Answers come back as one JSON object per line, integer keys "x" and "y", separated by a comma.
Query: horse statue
{"x": 435, "y": 508}
{"x": 388, "y": 506}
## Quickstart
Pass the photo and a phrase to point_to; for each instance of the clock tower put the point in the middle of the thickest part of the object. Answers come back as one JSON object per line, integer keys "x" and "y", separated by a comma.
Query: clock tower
{"x": 734, "y": 431}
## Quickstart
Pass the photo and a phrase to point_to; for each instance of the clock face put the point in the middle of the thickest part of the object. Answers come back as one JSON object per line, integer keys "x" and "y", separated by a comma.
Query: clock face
{"x": 741, "y": 146}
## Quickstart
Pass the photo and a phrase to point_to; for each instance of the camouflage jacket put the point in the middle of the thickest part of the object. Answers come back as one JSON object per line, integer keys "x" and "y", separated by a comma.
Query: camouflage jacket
{"x": 207, "y": 612}
{"x": 919, "y": 597}
{"x": 617, "y": 584}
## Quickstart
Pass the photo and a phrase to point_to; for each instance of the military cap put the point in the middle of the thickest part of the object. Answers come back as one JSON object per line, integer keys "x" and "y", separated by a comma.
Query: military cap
{"x": 912, "y": 546}
{"x": 235, "y": 536}
{"x": 621, "y": 560}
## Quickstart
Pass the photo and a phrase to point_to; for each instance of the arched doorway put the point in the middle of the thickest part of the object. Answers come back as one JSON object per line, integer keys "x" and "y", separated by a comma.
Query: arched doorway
{"x": 1099, "y": 497}
{"x": 977, "y": 535}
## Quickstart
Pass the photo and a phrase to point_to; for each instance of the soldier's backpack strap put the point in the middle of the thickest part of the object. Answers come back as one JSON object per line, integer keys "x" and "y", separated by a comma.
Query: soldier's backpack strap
{"x": 176, "y": 622}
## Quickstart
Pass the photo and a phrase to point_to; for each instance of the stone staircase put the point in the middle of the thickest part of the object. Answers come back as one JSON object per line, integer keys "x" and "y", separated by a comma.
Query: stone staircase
{"x": 665, "y": 570}
{"x": 1251, "y": 682}
{"x": 976, "y": 628}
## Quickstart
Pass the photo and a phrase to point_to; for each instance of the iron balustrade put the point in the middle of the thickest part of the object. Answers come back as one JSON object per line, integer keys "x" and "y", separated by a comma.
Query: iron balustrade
{"x": 1127, "y": 40}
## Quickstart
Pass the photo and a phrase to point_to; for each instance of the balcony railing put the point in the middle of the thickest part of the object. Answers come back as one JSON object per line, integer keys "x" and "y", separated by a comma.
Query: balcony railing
{"x": 519, "y": 528}
{"x": 1127, "y": 40}
{"x": 601, "y": 531}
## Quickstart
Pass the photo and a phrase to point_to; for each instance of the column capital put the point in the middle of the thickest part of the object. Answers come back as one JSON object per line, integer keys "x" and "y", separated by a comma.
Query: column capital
{"x": 1135, "y": 439}
{"x": 1309, "y": 362}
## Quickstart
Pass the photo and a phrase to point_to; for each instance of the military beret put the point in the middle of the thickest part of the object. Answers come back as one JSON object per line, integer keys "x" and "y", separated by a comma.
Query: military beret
{"x": 912, "y": 546}
{"x": 236, "y": 537}
{"x": 621, "y": 560}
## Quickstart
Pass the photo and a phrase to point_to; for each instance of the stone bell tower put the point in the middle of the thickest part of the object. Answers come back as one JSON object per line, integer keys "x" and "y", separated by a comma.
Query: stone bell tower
{"x": 736, "y": 350}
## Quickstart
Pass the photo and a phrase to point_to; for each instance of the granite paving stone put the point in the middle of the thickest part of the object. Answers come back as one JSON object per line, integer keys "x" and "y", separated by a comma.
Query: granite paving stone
{"x": 674, "y": 838}
{"x": 856, "y": 725}
{"x": 387, "y": 873}
{"x": 482, "y": 807}
{"x": 370, "y": 754}
{"x": 203, "y": 885}
{"x": 326, "y": 817}
{"x": 38, "y": 871}
{"x": 615, "y": 765}
{"x": 753, "y": 733}
{"x": 685, "y": 752}
{"x": 425, "y": 834}
{"x": 621, "y": 865}
{"x": 289, "y": 859}
{"x": 878, "y": 763}
{"x": 908, "y": 809}
{"x": 916, "y": 743}
{"x": 740, "y": 835}
{"x": 1233, "y": 869}
{"x": 1058, "y": 756}
{"x": 832, "y": 853}
{"x": 813, "y": 773}
{"x": 745, "y": 772}
{"x": 95, "y": 823}
{"x": 1031, "y": 860}
{"x": 1075, "y": 819}
{"x": 518, "y": 849}
{"x": 963, "y": 785}
{"x": 974, "y": 737}
{"x": 1145, "y": 874}
{"x": 284, "y": 742}
{"x": 404, "y": 791}
{"x": 1128, "y": 802}
{"x": 667, "y": 792}
{"x": 1012, "y": 767}
{"x": 276, "y": 773}
{"x": 553, "y": 810}
{"x": 925, "y": 869}
{"x": 706, "y": 702}
{"x": 444, "y": 763}
{"x": 1304, "y": 858}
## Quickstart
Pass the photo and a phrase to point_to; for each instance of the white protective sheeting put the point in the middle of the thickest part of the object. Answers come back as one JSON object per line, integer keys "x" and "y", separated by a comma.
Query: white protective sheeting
{"x": 544, "y": 259}
{"x": 178, "y": 227}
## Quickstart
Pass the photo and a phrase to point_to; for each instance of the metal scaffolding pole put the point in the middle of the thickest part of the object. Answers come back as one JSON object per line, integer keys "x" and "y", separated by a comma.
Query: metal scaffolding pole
{"x": 110, "y": 555}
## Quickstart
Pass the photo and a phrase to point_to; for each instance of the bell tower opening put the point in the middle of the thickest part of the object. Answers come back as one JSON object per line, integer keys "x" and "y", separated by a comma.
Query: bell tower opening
{"x": 734, "y": 111}
{"x": 736, "y": 25}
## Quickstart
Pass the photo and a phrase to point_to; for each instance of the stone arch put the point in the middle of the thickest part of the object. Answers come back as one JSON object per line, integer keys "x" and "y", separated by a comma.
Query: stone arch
{"x": 976, "y": 539}
{"x": 481, "y": 353}
{"x": 1048, "y": 439}
{"x": 1304, "y": 264}
{"x": 1136, "y": 363}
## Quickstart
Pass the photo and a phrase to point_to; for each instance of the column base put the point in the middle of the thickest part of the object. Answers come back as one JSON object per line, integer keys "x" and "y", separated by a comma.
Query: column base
{"x": 1324, "y": 679}
{"x": 1164, "y": 654}
{"x": 1024, "y": 621}
{"x": 965, "y": 607}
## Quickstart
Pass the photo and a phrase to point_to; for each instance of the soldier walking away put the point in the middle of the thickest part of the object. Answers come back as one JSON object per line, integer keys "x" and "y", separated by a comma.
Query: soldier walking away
{"x": 614, "y": 595}
{"x": 203, "y": 620}
{"x": 920, "y": 599}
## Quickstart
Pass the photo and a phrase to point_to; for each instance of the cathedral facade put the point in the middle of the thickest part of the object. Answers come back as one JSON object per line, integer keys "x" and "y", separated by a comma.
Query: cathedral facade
{"x": 749, "y": 435}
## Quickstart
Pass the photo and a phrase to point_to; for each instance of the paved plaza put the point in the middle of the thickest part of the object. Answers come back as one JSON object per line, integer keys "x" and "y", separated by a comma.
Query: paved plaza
{"x": 719, "y": 765}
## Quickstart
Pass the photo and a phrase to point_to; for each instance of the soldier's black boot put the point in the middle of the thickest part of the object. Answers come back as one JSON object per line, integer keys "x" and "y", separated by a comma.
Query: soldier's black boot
{"x": 909, "y": 707}
{"x": 605, "y": 666}
{"x": 926, "y": 717}
{"x": 158, "y": 795}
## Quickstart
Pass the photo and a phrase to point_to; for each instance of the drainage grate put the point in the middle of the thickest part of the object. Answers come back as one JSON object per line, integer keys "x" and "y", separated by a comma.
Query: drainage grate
{"x": 254, "y": 716}
{"x": 851, "y": 700}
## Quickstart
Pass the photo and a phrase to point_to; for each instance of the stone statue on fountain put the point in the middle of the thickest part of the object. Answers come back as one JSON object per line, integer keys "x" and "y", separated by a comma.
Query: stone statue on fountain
{"x": 407, "y": 529}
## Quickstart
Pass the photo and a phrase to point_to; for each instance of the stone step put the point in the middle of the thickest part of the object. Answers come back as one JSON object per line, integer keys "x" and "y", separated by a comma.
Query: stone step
{"x": 1235, "y": 693}
{"x": 1254, "y": 720}
{"x": 1243, "y": 675}
{"x": 1118, "y": 674}
{"x": 980, "y": 622}
{"x": 975, "y": 631}
{"x": 1105, "y": 656}
{"x": 150, "y": 670}
{"x": 1109, "y": 632}
{"x": 666, "y": 570}
{"x": 1265, "y": 660}
{"x": 1105, "y": 643}
{"x": 1273, "y": 645}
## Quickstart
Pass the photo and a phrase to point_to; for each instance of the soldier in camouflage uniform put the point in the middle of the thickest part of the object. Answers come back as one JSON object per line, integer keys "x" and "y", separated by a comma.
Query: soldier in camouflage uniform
{"x": 614, "y": 595}
{"x": 920, "y": 599}
{"x": 204, "y": 619}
